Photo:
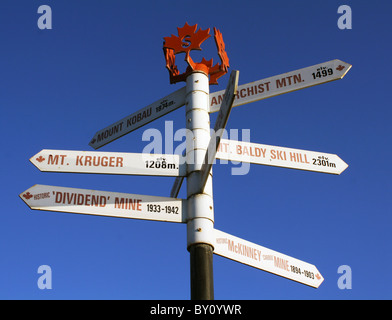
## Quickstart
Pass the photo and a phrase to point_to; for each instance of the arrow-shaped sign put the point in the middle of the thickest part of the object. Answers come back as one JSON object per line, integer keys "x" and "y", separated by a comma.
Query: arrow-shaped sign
{"x": 220, "y": 124}
{"x": 284, "y": 83}
{"x": 280, "y": 157}
{"x": 109, "y": 163}
{"x": 138, "y": 119}
{"x": 259, "y": 257}
{"x": 102, "y": 203}
{"x": 175, "y": 190}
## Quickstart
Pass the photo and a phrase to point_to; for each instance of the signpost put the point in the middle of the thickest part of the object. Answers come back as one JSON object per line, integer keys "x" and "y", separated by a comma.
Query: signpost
{"x": 102, "y": 203}
{"x": 284, "y": 83}
{"x": 109, "y": 163}
{"x": 197, "y": 211}
{"x": 280, "y": 157}
{"x": 265, "y": 259}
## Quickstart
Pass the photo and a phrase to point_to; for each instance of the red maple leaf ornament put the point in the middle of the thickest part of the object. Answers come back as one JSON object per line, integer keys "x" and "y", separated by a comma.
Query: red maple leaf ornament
{"x": 189, "y": 39}
{"x": 27, "y": 195}
{"x": 40, "y": 159}
{"x": 219, "y": 69}
{"x": 221, "y": 49}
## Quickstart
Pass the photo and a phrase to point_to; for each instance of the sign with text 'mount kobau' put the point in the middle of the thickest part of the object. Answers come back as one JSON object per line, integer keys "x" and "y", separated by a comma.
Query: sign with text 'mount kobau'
{"x": 139, "y": 118}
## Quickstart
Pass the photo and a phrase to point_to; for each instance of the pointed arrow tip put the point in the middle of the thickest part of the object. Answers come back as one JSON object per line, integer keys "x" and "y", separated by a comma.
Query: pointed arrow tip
{"x": 36, "y": 159}
{"x": 343, "y": 66}
{"x": 344, "y": 165}
{"x": 320, "y": 279}
{"x": 27, "y": 195}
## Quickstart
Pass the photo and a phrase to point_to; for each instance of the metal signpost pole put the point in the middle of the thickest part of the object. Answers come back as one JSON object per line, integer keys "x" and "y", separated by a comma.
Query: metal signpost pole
{"x": 197, "y": 211}
{"x": 200, "y": 223}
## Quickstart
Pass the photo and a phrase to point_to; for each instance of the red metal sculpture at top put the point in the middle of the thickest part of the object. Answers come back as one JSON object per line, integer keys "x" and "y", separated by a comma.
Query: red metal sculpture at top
{"x": 189, "y": 39}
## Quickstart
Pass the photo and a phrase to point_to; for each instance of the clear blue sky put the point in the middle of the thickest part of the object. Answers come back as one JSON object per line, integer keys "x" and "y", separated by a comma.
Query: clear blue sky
{"x": 103, "y": 60}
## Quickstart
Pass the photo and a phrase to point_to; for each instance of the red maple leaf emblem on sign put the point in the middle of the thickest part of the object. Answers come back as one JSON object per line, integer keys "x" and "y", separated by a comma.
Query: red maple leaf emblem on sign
{"x": 340, "y": 67}
{"x": 27, "y": 195}
{"x": 40, "y": 159}
{"x": 318, "y": 276}
{"x": 189, "y": 39}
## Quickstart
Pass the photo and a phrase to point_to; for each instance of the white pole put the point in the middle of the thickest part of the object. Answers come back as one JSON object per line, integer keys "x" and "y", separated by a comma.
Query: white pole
{"x": 200, "y": 220}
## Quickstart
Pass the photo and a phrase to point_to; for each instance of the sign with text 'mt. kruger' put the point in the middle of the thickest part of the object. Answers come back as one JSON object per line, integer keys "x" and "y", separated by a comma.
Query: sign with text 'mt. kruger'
{"x": 103, "y": 203}
{"x": 109, "y": 163}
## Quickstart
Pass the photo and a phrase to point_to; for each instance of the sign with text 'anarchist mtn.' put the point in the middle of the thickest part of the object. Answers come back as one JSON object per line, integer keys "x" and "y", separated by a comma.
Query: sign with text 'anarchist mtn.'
{"x": 283, "y": 83}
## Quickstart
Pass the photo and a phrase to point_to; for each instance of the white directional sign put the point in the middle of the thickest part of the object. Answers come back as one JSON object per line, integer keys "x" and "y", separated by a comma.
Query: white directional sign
{"x": 140, "y": 118}
{"x": 176, "y": 187}
{"x": 283, "y": 83}
{"x": 265, "y": 259}
{"x": 102, "y": 203}
{"x": 220, "y": 124}
{"x": 109, "y": 163}
{"x": 280, "y": 157}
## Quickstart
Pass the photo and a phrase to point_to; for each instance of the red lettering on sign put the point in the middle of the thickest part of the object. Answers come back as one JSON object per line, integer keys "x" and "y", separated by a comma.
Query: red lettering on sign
{"x": 127, "y": 203}
{"x": 54, "y": 160}
{"x": 223, "y": 147}
{"x": 250, "y": 91}
{"x": 281, "y": 263}
{"x": 250, "y": 151}
{"x": 87, "y": 161}
{"x": 278, "y": 155}
{"x": 244, "y": 250}
{"x": 297, "y": 157}
{"x": 80, "y": 199}
{"x": 280, "y": 83}
{"x": 98, "y": 161}
{"x": 290, "y": 80}
{"x": 245, "y": 92}
{"x": 297, "y": 78}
